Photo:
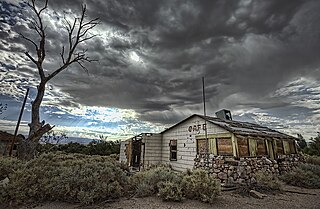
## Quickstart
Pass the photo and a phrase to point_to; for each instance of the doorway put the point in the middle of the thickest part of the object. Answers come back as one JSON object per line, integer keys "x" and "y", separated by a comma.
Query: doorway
{"x": 136, "y": 153}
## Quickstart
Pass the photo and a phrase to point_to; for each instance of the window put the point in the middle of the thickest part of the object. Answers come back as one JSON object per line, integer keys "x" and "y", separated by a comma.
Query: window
{"x": 292, "y": 145}
{"x": 279, "y": 147}
{"x": 243, "y": 147}
{"x": 224, "y": 146}
{"x": 252, "y": 147}
{"x": 261, "y": 147}
{"x": 286, "y": 148}
{"x": 201, "y": 146}
{"x": 173, "y": 150}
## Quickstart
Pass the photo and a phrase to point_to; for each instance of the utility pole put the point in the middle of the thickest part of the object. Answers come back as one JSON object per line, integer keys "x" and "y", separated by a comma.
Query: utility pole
{"x": 205, "y": 115}
{"x": 18, "y": 123}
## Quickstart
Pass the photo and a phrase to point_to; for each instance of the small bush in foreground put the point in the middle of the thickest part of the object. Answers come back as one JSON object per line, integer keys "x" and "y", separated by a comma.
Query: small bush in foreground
{"x": 199, "y": 185}
{"x": 146, "y": 183}
{"x": 170, "y": 191}
{"x": 268, "y": 182}
{"x": 306, "y": 175}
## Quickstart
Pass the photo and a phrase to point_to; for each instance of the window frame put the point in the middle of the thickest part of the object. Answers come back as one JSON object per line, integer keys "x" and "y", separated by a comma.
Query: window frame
{"x": 173, "y": 143}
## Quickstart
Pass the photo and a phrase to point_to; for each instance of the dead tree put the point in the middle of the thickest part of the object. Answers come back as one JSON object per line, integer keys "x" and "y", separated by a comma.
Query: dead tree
{"x": 78, "y": 32}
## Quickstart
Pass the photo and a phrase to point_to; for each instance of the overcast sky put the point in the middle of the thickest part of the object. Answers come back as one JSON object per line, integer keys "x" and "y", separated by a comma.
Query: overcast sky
{"x": 260, "y": 59}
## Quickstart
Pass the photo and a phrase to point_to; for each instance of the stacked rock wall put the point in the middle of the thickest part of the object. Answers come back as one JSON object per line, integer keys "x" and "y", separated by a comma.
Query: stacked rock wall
{"x": 231, "y": 170}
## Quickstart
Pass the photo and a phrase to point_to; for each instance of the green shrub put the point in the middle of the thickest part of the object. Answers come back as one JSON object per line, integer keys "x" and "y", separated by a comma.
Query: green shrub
{"x": 145, "y": 183}
{"x": 199, "y": 185}
{"x": 67, "y": 177}
{"x": 306, "y": 175}
{"x": 8, "y": 166}
{"x": 268, "y": 182}
{"x": 170, "y": 191}
{"x": 315, "y": 160}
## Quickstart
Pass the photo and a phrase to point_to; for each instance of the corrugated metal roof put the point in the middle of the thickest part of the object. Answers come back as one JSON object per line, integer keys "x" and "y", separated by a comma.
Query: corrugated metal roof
{"x": 245, "y": 128}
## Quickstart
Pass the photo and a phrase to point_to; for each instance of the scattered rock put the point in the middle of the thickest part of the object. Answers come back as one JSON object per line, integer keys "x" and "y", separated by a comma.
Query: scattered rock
{"x": 4, "y": 182}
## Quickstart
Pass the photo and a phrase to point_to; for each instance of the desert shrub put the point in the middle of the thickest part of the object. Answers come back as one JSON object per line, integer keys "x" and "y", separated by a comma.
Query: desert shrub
{"x": 96, "y": 147}
{"x": 305, "y": 175}
{"x": 67, "y": 177}
{"x": 8, "y": 166}
{"x": 146, "y": 183}
{"x": 170, "y": 191}
{"x": 199, "y": 185}
{"x": 268, "y": 182}
{"x": 315, "y": 160}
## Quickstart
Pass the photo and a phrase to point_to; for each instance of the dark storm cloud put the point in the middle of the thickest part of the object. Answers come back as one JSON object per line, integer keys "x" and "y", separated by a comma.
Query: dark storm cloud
{"x": 152, "y": 54}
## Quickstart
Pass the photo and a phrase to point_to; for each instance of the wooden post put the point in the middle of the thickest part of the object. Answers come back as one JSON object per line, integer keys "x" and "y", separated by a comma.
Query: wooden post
{"x": 205, "y": 116}
{"x": 18, "y": 123}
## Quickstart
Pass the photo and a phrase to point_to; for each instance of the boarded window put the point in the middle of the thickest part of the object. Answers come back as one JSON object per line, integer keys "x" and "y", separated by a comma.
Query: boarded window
{"x": 292, "y": 147}
{"x": 224, "y": 146}
{"x": 261, "y": 147}
{"x": 173, "y": 150}
{"x": 201, "y": 145}
{"x": 243, "y": 147}
{"x": 279, "y": 147}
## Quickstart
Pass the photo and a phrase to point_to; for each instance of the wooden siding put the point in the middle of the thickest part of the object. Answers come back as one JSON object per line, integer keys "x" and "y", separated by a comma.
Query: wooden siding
{"x": 186, "y": 134}
{"x": 152, "y": 150}
{"x": 123, "y": 157}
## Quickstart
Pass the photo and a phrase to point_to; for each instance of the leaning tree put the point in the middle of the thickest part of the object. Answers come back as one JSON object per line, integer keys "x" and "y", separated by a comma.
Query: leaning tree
{"x": 78, "y": 32}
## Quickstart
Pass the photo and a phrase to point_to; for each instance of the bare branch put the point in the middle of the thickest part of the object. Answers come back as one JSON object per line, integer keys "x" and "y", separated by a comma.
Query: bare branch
{"x": 31, "y": 41}
{"x": 31, "y": 58}
{"x": 62, "y": 55}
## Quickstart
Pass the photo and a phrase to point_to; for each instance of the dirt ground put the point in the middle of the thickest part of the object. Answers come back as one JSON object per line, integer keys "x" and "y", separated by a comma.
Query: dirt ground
{"x": 228, "y": 200}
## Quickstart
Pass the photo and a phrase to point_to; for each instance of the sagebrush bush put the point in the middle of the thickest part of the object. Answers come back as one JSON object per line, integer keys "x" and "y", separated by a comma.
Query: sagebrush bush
{"x": 145, "y": 183}
{"x": 268, "y": 182}
{"x": 67, "y": 177}
{"x": 201, "y": 186}
{"x": 305, "y": 175}
{"x": 8, "y": 166}
{"x": 315, "y": 160}
{"x": 170, "y": 191}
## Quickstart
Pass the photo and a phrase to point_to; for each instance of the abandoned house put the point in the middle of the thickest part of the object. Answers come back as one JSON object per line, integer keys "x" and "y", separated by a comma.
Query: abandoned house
{"x": 184, "y": 145}
{"x": 5, "y": 142}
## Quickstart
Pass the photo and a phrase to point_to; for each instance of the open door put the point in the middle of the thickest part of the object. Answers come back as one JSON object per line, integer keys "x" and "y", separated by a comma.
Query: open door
{"x": 136, "y": 153}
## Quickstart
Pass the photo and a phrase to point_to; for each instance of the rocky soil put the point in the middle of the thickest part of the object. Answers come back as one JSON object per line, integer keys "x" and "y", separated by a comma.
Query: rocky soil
{"x": 228, "y": 200}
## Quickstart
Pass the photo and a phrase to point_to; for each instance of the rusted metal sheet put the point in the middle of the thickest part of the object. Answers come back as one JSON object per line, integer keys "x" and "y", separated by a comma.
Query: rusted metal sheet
{"x": 224, "y": 146}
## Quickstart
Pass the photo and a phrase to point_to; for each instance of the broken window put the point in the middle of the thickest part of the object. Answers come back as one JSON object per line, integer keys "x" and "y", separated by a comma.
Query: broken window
{"x": 243, "y": 147}
{"x": 173, "y": 150}
{"x": 224, "y": 146}
{"x": 261, "y": 147}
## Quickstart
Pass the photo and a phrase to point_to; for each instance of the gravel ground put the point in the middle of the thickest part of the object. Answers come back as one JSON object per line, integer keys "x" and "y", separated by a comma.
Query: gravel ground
{"x": 228, "y": 200}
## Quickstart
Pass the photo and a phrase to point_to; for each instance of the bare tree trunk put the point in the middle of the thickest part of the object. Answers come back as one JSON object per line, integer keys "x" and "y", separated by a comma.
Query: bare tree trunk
{"x": 27, "y": 147}
{"x": 35, "y": 124}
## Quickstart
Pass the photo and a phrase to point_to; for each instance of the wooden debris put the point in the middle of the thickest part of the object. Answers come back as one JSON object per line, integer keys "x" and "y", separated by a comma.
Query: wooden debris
{"x": 256, "y": 194}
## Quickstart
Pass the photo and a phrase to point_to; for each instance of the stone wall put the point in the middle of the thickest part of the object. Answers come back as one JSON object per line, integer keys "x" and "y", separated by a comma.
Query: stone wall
{"x": 231, "y": 170}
